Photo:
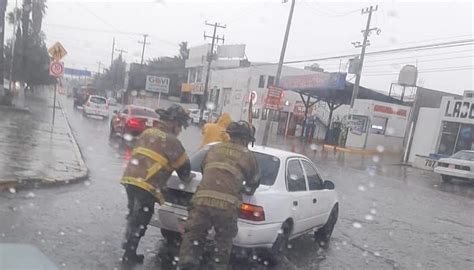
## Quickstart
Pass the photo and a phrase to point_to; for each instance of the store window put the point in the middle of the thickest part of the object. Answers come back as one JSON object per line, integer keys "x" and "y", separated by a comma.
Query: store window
{"x": 192, "y": 75}
{"x": 199, "y": 75}
{"x": 265, "y": 114}
{"x": 378, "y": 125}
{"x": 255, "y": 113}
{"x": 449, "y": 134}
{"x": 261, "y": 81}
{"x": 465, "y": 138}
{"x": 358, "y": 124}
{"x": 271, "y": 80}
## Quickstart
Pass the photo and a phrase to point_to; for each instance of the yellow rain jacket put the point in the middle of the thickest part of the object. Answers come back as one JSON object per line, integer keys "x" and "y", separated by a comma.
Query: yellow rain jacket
{"x": 215, "y": 132}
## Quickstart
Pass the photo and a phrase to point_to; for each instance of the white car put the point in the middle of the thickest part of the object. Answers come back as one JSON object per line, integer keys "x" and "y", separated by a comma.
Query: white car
{"x": 460, "y": 166}
{"x": 97, "y": 106}
{"x": 292, "y": 200}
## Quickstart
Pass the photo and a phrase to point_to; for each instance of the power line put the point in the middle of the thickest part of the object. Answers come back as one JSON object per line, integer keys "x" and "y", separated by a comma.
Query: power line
{"x": 454, "y": 68}
{"x": 414, "y": 48}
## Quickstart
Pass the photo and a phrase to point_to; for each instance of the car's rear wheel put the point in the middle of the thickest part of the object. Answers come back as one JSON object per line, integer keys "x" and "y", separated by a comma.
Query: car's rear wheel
{"x": 274, "y": 255}
{"x": 446, "y": 178}
{"x": 323, "y": 235}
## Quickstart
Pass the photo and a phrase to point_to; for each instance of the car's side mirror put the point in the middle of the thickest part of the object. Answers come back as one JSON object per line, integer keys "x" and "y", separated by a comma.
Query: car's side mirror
{"x": 328, "y": 185}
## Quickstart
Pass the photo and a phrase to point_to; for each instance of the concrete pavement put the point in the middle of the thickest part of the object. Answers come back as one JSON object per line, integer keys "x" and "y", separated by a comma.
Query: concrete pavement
{"x": 33, "y": 151}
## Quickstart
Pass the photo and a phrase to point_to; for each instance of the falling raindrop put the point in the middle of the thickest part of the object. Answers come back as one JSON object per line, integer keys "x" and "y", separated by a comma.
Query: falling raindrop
{"x": 357, "y": 225}
{"x": 380, "y": 148}
{"x": 376, "y": 159}
{"x": 275, "y": 159}
{"x": 176, "y": 258}
{"x": 103, "y": 242}
{"x": 338, "y": 248}
{"x": 134, "y": 93}
{"x": 313, "y": 146}
{"x": 344, "y": 243}
{"x": 62, "y": 233}
{"x": 30, "y": 195}
{"x": 361, "y": 188}
{"x": 142, "y": 227}
{"x": 211, "y": 106}
{"x": 39, "y": 233}
{"x": 134, "y": 161}
{"x": 373, "y": 211}
{"x": 216, "y": 260}
{"x": 369, "y": 217}
{"x": 280, "y": 231}
{"x": 63, "y": 264}
{"x": 265, "y": 263}
{"x": 390, "y": 131}
{"x": 256, "y": 214}
{"x": 3, "y": 234}
{"x": 87, "y": 183}
{"x": 254, "y": 257}
{"x": 100, "y": 207}
{"x": 377, "y": 254}
{"x": 31, "y": 204}
{"x": 146, "y": 209}
{"x": 128, "y": 137}
{"x": 244, "y": 183}
{"x": 77, "y": 201}
{"x": 435, "y": 185}
{"x": 196, "y": 243}
{"x": 289, "y": 246}
{"x": 79, "y": 230}
{"x": 181, "y": 186}
{"x": 390, "y": 233}
{"x": 293, "y": 177}
{"x": 12, "y": 190}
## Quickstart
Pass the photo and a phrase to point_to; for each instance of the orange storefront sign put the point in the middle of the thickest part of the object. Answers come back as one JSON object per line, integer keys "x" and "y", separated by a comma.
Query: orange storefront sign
{"x": 390, "y": 110}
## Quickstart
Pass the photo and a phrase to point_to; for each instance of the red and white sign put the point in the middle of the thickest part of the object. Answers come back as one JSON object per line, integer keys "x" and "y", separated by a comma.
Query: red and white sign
{"x": 390, "y": 110}
{"x": 252, "y": 97}
{"x": 274, "y": 96}
{"x": 56, "y": 69}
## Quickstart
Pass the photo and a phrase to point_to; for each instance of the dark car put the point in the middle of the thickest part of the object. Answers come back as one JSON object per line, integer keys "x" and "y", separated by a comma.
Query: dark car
{"x": 81, "y": 94}
{"x": 132, "y": 120}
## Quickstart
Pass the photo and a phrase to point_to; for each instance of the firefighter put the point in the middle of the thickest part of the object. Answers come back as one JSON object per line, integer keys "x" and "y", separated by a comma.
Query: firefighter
{"x": 215, "y": 132}
{"x": 229, "y": 169}
{"x": 155, "y": 156}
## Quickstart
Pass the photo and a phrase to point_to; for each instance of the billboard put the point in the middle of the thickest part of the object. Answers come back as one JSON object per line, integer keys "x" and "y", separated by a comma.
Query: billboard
{"x": 318, "y": 80}
{"x": 157, "y": 84}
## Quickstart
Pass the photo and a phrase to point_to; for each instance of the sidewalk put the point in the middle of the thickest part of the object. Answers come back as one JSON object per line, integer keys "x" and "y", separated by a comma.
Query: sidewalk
{"x": 32, "y": 152}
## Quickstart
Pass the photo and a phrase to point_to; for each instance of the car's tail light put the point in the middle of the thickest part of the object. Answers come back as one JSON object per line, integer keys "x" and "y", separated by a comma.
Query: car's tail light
{"x": 134, "y": 123}
{"x": 251, "y": 212}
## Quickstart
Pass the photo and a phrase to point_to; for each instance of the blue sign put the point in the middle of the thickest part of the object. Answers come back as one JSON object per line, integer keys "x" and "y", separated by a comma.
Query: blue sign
{"x": 77, "y": 72}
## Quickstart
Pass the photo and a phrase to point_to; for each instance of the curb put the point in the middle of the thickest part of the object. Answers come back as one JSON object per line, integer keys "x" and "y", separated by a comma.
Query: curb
{"x": 27, "y": 183}
{"x": 357, "y": 151}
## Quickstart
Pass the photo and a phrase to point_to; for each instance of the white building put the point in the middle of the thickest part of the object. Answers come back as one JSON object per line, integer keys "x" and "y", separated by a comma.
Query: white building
{"x": 230, "y": 91}
{"x": 443, "y": 131}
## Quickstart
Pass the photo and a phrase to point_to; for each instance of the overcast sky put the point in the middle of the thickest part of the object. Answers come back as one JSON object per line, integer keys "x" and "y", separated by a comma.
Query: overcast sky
{"x": 319, "y": 29}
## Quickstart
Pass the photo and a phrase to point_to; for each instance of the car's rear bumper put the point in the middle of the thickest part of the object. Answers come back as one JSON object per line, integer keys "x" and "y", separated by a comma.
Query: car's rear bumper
{"x": 454, "y": 172}
{"x": 249, "y": 235}
{"x": 98, "y": 112}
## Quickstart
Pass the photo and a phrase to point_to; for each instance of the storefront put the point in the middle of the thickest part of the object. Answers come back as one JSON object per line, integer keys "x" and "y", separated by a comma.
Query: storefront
{"x": 444, "y": 131}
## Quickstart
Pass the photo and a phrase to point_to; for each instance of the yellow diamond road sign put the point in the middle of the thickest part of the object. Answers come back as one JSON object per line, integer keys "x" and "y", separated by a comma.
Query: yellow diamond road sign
{"x": 57, "y": 51}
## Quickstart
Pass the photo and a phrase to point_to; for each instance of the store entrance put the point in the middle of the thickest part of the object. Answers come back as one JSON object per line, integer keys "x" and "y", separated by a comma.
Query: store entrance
{"x": 456, "y": 137}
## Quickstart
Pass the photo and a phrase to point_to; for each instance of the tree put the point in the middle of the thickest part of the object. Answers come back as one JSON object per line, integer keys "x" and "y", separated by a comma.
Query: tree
{"x": 183, "y": 50}
{"x": 38, "y": 10}
{"x": 113, "y": 78}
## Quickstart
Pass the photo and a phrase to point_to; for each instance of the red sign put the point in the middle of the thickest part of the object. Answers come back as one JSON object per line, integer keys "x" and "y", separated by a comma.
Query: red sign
{"x": 273, "y": 98}
{"x": 390, "y": 110}
{"x": 56, "y": 69}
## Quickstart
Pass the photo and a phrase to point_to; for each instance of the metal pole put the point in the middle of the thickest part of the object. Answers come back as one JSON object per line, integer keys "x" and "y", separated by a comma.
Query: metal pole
{"x": 143, "y": 49}
{"x": 13, "y": 46}
{"x": 278, "y": 74}
{"x": 159, "y": 98}
{"x": 206, "y": 83}
{"x": 54, "y": 102}
{"x": 112, "y": 58}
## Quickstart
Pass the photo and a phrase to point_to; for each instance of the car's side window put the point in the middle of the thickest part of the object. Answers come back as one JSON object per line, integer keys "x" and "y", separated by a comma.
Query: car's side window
{"x": 314, "y": 180}
{"x": 295, "y": 177}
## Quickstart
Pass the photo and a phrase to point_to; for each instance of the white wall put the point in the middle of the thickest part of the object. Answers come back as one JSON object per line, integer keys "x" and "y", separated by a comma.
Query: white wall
{"x": 426, "y": 133}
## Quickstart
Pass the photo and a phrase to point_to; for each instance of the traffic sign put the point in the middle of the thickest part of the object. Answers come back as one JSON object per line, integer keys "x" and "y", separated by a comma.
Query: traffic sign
{"x": 56, "y": 69}
{"x": 157, "y": 84}
{"x": 57, "y": 51}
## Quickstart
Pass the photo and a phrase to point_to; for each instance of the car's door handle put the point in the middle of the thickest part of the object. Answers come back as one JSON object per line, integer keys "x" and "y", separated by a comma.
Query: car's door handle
{"x": 295, "y": 203}
{"x": 315, "y": 200}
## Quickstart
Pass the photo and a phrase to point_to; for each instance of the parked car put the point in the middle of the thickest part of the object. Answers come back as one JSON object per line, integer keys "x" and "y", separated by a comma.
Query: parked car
{"x": 132, "y": 120}
{"x": 459, "y": 166}
{"x": 292, "y": 200}
{"x": 97, "y": 106}
{"x": 81, "y": 94}
{"x": 207, "y": 116}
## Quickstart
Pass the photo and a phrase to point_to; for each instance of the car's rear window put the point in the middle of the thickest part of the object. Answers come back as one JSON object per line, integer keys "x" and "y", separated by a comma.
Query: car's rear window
{"x": 268, "y": 165}
{"x": 144, "y": 113}
{"x": 98, "y": 100}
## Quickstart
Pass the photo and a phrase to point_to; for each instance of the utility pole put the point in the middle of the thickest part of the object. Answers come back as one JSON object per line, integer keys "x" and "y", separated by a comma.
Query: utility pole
{"x": 365, "y": 43}
{"x": 98, "y": 69}
{"x": 3, "y": 7}
{"x": 120, "y": 51}
{"x": 113, "y": 49}
{"x": 210, "y": 56}
{"x": 278, "y": 74}
{"x": 15, "y": 19}
{"x": 144, "y": 44}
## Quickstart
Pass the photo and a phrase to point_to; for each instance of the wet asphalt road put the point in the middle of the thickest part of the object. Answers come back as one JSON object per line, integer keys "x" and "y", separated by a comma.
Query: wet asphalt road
{"x": 390, "y": 217}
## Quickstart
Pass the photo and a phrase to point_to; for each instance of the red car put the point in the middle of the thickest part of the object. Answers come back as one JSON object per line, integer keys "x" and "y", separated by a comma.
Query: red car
{"x": 132, "y": 120}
